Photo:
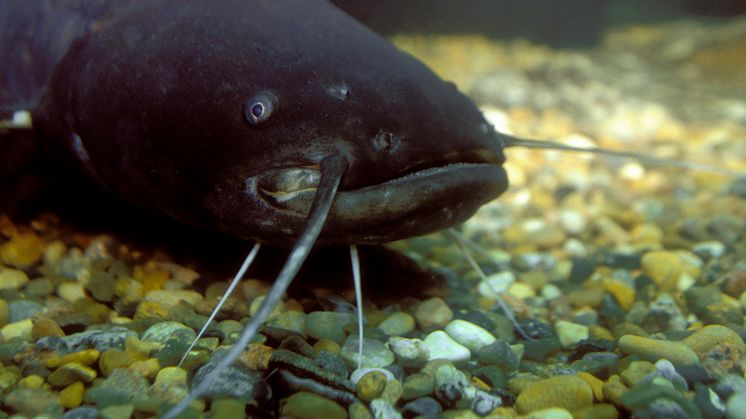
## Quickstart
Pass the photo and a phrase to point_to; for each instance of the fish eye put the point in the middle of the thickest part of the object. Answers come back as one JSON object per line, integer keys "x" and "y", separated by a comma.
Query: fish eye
{"x": 259, "y": 108}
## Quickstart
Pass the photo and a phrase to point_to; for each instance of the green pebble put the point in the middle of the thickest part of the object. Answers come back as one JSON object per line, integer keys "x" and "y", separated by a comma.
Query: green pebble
{"x": 645, "y": 394}
{"x": 227, "y": 408}
{"x": 4, "y": 312}
{"x": 122, "y": 411}
{"x": 371, "y": 386}
{"x": 291, "y": 320}
{"x": 397, "y": 324}
{"x": 636, "y": 371}
{"x": 112, "y": 359}
{"x": 305, "y": 405}
{"x": 418, "y": 385}
{"x": 393, "y": 392}
{"x": 597, "y": 411}
{"x": 39, "y": 287}
{"x": 700, "y": 298}
{"x": 70, "y": 373}
{"x": 652, "y": 350}
{"x": 34, "y": 402}
{"x": 327, "y": 325}
{"x": 494, "y": 376}
{"x": 101, "y": 286}
{"x": 358, "y": 410}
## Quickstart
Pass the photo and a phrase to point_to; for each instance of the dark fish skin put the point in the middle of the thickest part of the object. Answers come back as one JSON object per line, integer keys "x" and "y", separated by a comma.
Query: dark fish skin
{"x": 150, "y": 101}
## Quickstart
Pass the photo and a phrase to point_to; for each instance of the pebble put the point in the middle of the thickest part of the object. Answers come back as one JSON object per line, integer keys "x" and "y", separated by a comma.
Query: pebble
{"x": 234, "y": 381}
{"x": 43, "y": 326}
{"x": 4, "y": 312}
{"x": 469, "y": 334}
{"x": 85, "y": 357}
{"x": 72, "y": 396}
{"x": 498, "y": 354}
{"x": 636, "y": 372}
{"x": 397, "y": 324}
{"x": 711, "y": 249}
{"x": 291, "y": 320}
{"x": 227, "y": 408}
{"x": 705, "y": 339}
{"x": 433, "y": 314}
{"x": 305, "y": 405}
{"x": 33, "y": 403}
{"x": 171, "y": 298}
{"x": 83, "y": 412}
{"x": 358, "y": 410}
{"x": 409, "y": 352}
{"x": 566, "y": 391}
{"x": 165, "y": 331}
{"x": 120, "y": 411}
{"x": 597, "y": 411}
{"x": 370, "y": 386}
{"x": 550, "y": 413}
{"x": 570, "y": 333}
{"x": 19, "y": 330}
{"x": 22, "y": 250}
{"x": 327, "y": 325}
{"x": 71, "y": 291}
{"x": 442, "y": 346}
{"x": 623, "y": 293}
{"x": 375, "y": 353}
{"x": 382, "y": 409}
{"x": 170, "y": 385}
{"x": 495, "y": 284}
{"x": 70, "y": 373}
{"x": 418, "y": 385}
{"x": 736, "y": 406}
{"x": 12, "y": 278}
{"x": 653, "y": 350}
{"x": 666, "y": 267}
{"x": 424, "y": 406}
{"x": 113, "y": 359}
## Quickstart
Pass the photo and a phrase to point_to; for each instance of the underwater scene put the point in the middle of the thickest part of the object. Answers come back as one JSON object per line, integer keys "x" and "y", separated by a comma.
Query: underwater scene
{"x": 502, "y": 276}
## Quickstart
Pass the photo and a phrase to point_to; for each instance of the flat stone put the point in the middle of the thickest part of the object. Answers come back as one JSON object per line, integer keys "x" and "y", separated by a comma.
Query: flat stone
{"x": 565, "y": 391}
{"x": 70, "y": 373}
{"x": 327, "y": 325}
{"x": 375, "y": 353}
{"x": 433, "y": 314}
{"x": 706, "y": 338}
{"x": 172, "y": 298}
{"x": 570, "y": 333}
{"x": 469, "y": 334}
{"x": 305, "y": 405}
{"x": 652, "y": 350}
{"x": 441, "y": 346}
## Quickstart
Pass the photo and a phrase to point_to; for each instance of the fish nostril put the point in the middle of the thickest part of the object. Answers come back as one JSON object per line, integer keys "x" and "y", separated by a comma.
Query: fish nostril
{"x": 386, "y": 141}
{"x": 339, "y": 90}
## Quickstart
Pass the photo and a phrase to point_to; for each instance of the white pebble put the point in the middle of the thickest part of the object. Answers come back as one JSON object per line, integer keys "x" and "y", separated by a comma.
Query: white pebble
{"x": 495, "y": 284}
{"x": 410, "y": 352}
{"x": 469, "y": 334}
{"x": 442, "y": 346}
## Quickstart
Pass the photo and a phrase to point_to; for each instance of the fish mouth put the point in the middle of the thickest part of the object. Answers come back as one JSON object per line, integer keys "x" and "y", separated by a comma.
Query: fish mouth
{"x": 415, "y": 203}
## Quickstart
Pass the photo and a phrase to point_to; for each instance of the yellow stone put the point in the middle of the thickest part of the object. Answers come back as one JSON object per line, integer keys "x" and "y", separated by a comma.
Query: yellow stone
{"x": 22, "y": 250}
{"x": 112, "y": 359}
{"x": 597, "y": 411}
{"x": 706, "y": 338}
{"x": 20, "y": 329}
{"x": 32, "y": 381}
{"x": 256, "y": 356}
{"x": 596, "y": 385}
{"x": 149, "y": 309}
{"x": 653, "y": 350}
{"x": 623, "y": 293}
{"x": 613, "y": 389}
{"x": 71, "y": 396}
{"x": 70, "y": 373}
{"x": 4, "y": 312}
{"x": 600, "y": 332}
{"x": 85, "y": 357}
{"x": 565, "y": 391}
{"x": 665, "y": 268}
{"x": 148, "y": 368}
{"x": 371, "y": 386}
{"x": 327, "y": 345}
{"x": 151, "y": 277}
{"x": 44, "y": 326}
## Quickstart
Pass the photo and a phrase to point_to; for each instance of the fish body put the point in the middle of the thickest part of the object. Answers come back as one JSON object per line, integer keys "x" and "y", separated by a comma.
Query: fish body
{"x": 219, "y": 114}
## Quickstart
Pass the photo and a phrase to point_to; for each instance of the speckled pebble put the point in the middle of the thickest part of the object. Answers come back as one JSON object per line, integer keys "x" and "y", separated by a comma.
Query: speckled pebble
{"x": 433, "y": 314}
{"x": 33, "y": 402}
{"x": 570, "y": 333}
{"x": 706, "y": 338}
{"x": 371, "y": 386}
{"x": 410, "y": 352}
{"x": 375, "y": 353}
{"x": 305, "y": 405}
{"x": 469, "y": 334}
{"x": 397, "y": 324}
{"x": 566, "y": 391}
{"x": 164, "y": 331}
{"x": 171, "y": 298}
{"x": 653, "y": 350}
{"x": 442, "y": 346}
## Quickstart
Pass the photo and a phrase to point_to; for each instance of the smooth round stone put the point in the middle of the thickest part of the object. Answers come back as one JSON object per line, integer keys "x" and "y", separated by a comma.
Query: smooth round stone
{"x": 72, "y": 395}
{"x": 291, "y": 320}
{"x": 433, "y": 314}
{"x": 652, "y": 350}
{"x": 33, "y": 403}
{"x": 570, "y": 333}
{"x": 565, "y": 391}
{"x": 393, "y": 391}
{"x": 665, "y": 267}
{"x": 120, "y": 411}
{"x": 550, "y": 413}
{"x": 23, "y": 309}
{"x": 441, "y": 346}
{"x": 636, "y": 372}
{"x": 706, "y": 338}
{"x": 22, "y": 250}
{"x": 112, "y": 359}
{"x": 227, "y": 408}
{"x": 44, "y": 326}
{"x": 410, "y": 352}
{"x": 12, "y": 278}
{"x": 165, "y": 331}
{"x": 383, "y": 409}
{"x": 327, "y": 325}
{"x": 70, "y": 373}
{"x": 711, "y": 249}
{"x": 170, "y": 385}
{"x": 20, "y": 330}
{"x": 85, "y": 357}
{"x": 397, "y": 324}
{"x": 39, "y": 288}
{"x": 305, "y": 405}
{"x": 736, "y": 406}
{"x": 171, "y": 298}
{"x": 495, "y": 284}
{"x": 358, "y": 410}
{"x": 371, "y": 386}
{"x": 71, "y": 291}
{"x": 469, "y": 334}
{"x": 623, "y": 293}
{"x": 234, "y": 381}
{"x": 498, "y": 354}
{"x": 418, "y": 385}
{"x": 451, "y": 385}
{"x": 424, "y": 406}
{"x": 375, "y": 353}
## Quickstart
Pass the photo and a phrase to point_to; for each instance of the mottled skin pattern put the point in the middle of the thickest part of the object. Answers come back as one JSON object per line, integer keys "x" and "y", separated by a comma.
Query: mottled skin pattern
{"x": 150, "y": 102}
